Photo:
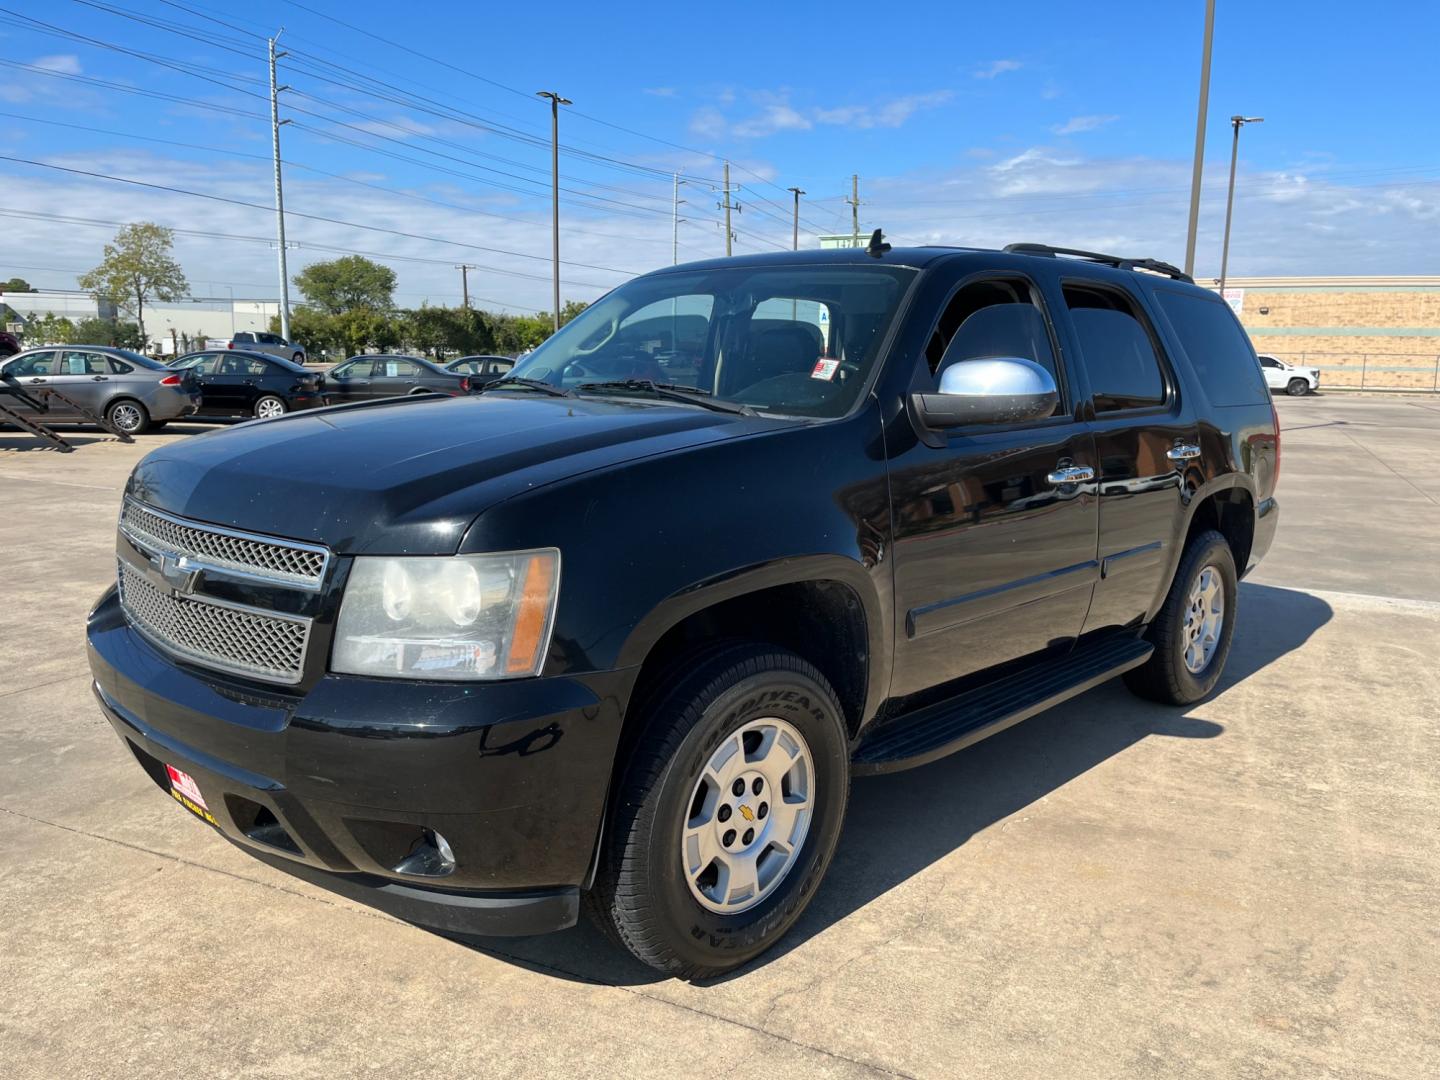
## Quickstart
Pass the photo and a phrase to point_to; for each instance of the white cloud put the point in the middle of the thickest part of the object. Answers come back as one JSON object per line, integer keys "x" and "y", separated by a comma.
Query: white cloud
{"x": 777, "y": 114}
{"x": 997, "y": 67}
{"x": 66, "y": 63}
{"x": 1076, "y": 124}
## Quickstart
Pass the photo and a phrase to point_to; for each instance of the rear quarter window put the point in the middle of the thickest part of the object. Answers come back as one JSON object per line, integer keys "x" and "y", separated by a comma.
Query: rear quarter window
{"x": 1217, "y": 347}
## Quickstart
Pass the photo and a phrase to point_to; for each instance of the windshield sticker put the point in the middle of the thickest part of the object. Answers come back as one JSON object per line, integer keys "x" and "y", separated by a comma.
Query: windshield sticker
{"x": 825, "y": 368}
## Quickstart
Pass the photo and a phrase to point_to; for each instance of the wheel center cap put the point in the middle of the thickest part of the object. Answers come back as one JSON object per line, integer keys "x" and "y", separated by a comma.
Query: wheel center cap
{"x": 747, "y": 813}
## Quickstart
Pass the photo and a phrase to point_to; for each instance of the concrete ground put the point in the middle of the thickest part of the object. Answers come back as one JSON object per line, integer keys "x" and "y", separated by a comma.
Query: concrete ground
{"x": 1248, "y": 888}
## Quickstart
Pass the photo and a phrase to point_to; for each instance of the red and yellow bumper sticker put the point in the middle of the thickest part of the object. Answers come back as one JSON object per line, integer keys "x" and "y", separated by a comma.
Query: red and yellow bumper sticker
{"x": 187, "y": 793}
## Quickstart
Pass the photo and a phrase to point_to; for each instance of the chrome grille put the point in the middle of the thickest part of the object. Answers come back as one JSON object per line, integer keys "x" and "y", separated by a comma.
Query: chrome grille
{"x": 237, "y": 639}
{"x": 280, "y": 561}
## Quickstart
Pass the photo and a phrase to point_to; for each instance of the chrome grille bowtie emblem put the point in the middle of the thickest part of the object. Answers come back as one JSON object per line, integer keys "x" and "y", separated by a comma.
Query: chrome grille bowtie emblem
{"x": 177, "y": 572}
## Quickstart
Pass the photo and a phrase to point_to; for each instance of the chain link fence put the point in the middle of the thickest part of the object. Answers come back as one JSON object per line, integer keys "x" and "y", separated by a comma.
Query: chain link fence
{"x": 1368, "y": 370}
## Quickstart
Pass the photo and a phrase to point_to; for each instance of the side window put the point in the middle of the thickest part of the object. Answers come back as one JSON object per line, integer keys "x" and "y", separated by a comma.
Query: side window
{"x": 1266, "y": 361}
{"x": 1118, "y": 348}
{"x": 1216, "y": 345}
{"x": 500, "y": 367}
{"x": 1003, "y": 317}
{"x": 400, "y": 369}
{"x": 35, "y": 364}
{"x": 120, "y": 367}
{"x": 255, "y": 366}
{"x": 82, "y": 363}
{"x": 355, "y": 369}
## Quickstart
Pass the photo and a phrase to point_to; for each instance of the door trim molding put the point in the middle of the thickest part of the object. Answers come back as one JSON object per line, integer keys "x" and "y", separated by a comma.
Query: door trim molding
{"x": 958, "y": 610}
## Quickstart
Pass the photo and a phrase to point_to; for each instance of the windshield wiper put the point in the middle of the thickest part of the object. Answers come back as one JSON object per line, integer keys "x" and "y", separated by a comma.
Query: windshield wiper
{"x": 691, "y": 395}
{"x": 520, "y": 382}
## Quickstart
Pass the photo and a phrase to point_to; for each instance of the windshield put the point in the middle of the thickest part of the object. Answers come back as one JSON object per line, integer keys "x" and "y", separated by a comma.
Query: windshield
{"x": 796, "y": 340}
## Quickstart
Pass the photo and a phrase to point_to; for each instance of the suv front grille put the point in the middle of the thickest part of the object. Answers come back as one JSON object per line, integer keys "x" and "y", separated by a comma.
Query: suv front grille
{"x": 281, "y": 561}
{"x": 241, "y": 640}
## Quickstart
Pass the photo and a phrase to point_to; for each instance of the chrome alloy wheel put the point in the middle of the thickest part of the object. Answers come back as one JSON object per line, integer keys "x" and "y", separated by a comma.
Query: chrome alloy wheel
{"x": 749, "y": 814}
{"x": 269, "y": 408}
{"x": 126, "y": 417}
{"x": 1204, "y": 619}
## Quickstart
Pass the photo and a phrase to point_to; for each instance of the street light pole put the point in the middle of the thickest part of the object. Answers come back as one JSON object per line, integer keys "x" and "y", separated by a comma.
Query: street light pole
{"x": 555, "y": 102}
{"x": 1237, "y": 122}
{"x": 795, "y": 242}
{"x": 1199, "y": 165}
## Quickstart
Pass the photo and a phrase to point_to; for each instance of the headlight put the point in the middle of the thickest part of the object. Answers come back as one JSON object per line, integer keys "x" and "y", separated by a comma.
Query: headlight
{"x": 448, "y": 617}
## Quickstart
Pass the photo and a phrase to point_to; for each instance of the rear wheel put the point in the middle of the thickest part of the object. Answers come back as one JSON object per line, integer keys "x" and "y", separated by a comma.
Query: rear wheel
{"x": 728, "y": 813}
{"x": 270, "y": 406}
{"x": 1193, "y": 630}
{"x": 129, "y": 416}
{"x": 1297, "y": 388}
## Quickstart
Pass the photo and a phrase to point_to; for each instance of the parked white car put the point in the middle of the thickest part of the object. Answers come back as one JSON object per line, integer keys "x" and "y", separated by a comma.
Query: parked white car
{"x": 1295, "y": 381}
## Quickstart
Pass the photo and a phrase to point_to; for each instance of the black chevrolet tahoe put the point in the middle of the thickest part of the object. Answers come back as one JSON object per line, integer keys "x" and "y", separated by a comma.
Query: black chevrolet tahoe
{"x": 623, "y": 626}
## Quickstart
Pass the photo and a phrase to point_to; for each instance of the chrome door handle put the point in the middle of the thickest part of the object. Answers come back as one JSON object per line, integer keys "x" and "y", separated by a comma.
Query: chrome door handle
{"x": 1073, "y": 474}
{"x": 1183, "y": 452}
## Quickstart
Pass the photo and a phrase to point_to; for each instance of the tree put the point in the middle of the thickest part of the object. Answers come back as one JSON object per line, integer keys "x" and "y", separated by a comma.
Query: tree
{"x": 96, "y": 331}
{"x": 16, "y": 284}
{"x": 570, "y": 309}
{"x": 136, "y": 268}
{"x": 347, "y": 283}
{"x": 50, "y": 329}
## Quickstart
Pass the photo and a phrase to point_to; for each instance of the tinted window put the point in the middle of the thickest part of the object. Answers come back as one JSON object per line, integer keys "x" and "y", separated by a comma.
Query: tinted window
{"x": 1117, "y": 347}
{"x": 1265, "y": 361}
{"x": 1216, "y": 346}
{"x": 119, "y": 367}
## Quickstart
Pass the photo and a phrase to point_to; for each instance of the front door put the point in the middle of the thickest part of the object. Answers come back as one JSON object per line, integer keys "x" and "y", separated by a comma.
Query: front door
{"x": 1144, "y": 437}
{"x": 349, "y": 381}
{"x": 30, "y": 373}
{"x": 84, "y": 378}
{"x": 994, "y": 550}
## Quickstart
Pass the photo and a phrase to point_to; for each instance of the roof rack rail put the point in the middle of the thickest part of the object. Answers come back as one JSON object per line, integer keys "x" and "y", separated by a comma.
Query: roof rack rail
{"x": 1153, "y": 265}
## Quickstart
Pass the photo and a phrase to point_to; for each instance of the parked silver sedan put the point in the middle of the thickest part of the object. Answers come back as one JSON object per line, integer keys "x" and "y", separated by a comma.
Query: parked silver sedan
{"x": 132, "y": 392}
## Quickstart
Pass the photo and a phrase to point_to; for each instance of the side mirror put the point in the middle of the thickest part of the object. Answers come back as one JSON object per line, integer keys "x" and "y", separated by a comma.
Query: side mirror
{"x": 1003, "y": 390}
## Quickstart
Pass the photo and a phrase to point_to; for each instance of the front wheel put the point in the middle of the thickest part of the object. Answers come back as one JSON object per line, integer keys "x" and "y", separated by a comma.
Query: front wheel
{"x": 1193, "y": 630}
{"x": 1297, "y": 388}
{"x": 728, "y": 814}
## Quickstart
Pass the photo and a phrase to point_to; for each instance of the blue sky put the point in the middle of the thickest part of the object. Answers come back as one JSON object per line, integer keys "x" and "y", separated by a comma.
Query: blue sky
{"x": 969, "y": 124}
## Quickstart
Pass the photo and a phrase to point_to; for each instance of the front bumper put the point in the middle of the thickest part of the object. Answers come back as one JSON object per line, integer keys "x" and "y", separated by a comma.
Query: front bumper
{"x": 341, "y": 783}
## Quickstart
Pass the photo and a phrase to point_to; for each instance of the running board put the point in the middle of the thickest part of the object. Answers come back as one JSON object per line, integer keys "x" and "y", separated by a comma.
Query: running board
{"x": 930, "y": 733}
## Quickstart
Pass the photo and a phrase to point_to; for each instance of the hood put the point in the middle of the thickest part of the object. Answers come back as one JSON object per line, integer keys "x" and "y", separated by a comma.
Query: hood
{"x": 408, "y": 476}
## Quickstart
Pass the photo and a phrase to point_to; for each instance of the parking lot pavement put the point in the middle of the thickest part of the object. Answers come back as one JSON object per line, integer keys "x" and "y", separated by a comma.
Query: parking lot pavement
{"x": 1248, "y": 888}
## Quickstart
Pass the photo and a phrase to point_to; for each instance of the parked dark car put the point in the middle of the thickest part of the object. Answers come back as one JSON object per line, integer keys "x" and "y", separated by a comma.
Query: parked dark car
{"x": 481, "y": 369}
{"x": 387, "y": 375}
{"x": 132, "y": 392}
{"x": 235, "y": 383}
{"x": 9, "y": 344}
{"x": 469, "y": 659}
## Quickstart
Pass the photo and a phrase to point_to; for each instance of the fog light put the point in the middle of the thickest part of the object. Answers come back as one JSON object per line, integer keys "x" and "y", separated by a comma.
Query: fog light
{"x": 443, "y": 847}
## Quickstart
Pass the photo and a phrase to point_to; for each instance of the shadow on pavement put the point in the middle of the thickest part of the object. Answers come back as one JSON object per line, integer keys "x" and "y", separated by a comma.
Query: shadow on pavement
{"x": 899, "y": 825}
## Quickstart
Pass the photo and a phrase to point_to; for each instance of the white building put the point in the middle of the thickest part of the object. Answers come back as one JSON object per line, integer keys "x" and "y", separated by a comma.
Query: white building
{"x": 192, "y": 319}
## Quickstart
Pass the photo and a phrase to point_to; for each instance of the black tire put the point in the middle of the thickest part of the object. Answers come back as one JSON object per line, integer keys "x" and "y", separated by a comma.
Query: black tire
{"x": 140, "y": 427}
{"x": 1297, "y": 388}
{"x": 284, "y": 406}
{"x": 641, "y": 895}
{"x": 1165, "y": 676}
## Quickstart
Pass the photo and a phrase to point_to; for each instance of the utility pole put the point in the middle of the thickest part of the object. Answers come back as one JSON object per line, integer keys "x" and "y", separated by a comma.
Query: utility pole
{"x": 465, "y": 269}
{"x": 795, "y": 240}
{"x": 675, "y": 224}
{"x": 275, "y": 123}
{"x": 1199, "y": 165}
{"x": 854, "y": 202}
{"x": 555, "y": 102}
{"x": 727, "y": 206}
{"x": 1237, "y": 122}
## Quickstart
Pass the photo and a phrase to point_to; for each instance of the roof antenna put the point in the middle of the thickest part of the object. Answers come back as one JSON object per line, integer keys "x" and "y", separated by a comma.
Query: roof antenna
{"x": 877, "y": 245}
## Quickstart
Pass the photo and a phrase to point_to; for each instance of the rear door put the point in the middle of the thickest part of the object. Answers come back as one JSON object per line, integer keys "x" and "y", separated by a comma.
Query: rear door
{"x": 394, "y": 376}
{"x": 82, "y": 376}
{"x": 1146, "y": 437}
{"x": 995, "y": 548}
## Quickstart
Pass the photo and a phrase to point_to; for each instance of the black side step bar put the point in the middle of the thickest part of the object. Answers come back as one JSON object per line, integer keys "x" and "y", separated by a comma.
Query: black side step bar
{"x": 930, "y": 733}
